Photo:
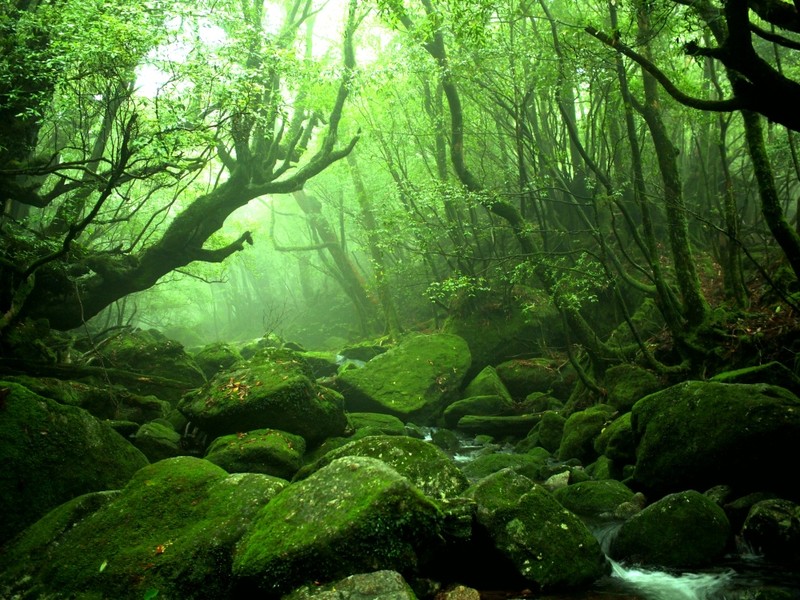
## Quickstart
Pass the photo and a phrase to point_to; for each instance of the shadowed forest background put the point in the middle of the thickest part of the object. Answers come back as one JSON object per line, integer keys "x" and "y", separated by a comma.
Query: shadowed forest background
{"x": 224, "y": 170}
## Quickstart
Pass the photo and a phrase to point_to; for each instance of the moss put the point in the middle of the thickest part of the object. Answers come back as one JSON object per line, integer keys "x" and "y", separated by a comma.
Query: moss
{"x": 484, "y": 406}
{"x": 385, "y": 424}
{"x": 158, "y": 441}
{"x": 172, "y": 529}
{"x": 425, "y": 465}
{"x": 217, "y": 357}
{"x": 532, "y": 466}
{"x": 355, "y": 515}
{"x": 267, "y": 451}
{"x": 617, "y": 442}
{"x": 580, "y": 431}
{"x": 626, "y": 384}
{"x": 516, "y": 426}
{"x": 593, "y": 498}
{"x": 551, "y": 430}
{"x": 487, "y": 383}
{"x": 52, "y": 453}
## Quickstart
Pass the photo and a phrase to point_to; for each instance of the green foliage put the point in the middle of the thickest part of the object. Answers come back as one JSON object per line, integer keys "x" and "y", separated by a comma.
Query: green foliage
{"x": 456, "y": 287}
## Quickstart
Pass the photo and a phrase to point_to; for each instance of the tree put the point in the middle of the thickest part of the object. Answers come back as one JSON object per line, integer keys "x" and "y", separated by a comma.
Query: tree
{"x": 254, "y": 118}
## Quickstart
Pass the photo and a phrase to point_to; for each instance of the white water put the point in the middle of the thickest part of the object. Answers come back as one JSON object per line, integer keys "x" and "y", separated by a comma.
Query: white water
{"x": 659, "y": 585}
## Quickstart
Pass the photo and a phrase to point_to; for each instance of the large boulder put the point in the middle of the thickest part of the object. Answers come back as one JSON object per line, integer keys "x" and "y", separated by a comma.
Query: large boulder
{"x": 377, "y": 423}
{"x": 695, "y": 435}
{"x": 217, "y": 357}
{"x": 266, "y": 451}
{"x": 275, "y": 391}
{"x": 594, "y": 499}
{"x": 580, "y": 431}
{"x": 355, "y": 515}
{"x": 423, "y": 463}
{"x": 617, "y": 442}
{"x": 414, "y": 381}
{"x": 549, "y": 546}
{"x": 534, "y": 465}
{"x": 169, "y": 533}
{"x": 627, "y": 384}
{"x": 682, "y": 530}
{"x": 53, "y": 453}
{"x": 523, "y": 376}
{"x": 487, "y": 383}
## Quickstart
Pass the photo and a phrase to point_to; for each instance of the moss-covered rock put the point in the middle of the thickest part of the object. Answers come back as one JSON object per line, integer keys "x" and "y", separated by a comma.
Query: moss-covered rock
{"x": 217, "y": 357}
{"x": 580, "y": 431}
{"x": 772, "y": 529}
{"x": 380, "y": 585}
{"x": 627, "y": 384}
{"x": 700, "y": 434}
{"x": 532, "y": 466}
{"x": 523, "y": 376}
{"x": 484, "y": 406}
{"x": 413, "y": 381}
{"x": 515, "y": 426}
{"x": 158, "y": 441}
{"x": 424, "y": 464}
{"x": 772, "y": 373}
{"x": 323, "y": 364}
{"x": 267, "y": 451}
{"x": 275, "y": 391}
{"x": 549, "y": 546}
{"x": 487, "y": 383}
{"x": 594, "y": 499}
{"x": 380, "y": 424}
{"x": 551, "y": 430}
{"x": 685, "y": 529}
{"x": 617, "y": 441}
{"x": 170, "y": 533}
{"x": 52, "y": 453}
{"x": 357, "y": 514}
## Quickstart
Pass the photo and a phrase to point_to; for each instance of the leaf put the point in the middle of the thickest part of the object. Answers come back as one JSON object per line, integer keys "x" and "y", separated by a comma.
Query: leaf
{"x": 150, "y": 594}
{"x": 103, "y": 566}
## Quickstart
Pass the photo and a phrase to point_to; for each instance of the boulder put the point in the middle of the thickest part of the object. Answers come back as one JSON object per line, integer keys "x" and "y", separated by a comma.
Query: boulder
{"x": 274, "y": 391}
{"x": 380, "y": 585}
{"x": 267, "y": 451}
{"x": 773, "y": 373}
{"x": 551, "y": 430}
{"x": 378, "y": 423}
{"x": 772, "y": 529}
{"x": 696, "y": 435}
{"x": 53, "y": 453}
{"x": 627, "y": 384}
{"x": 532, "y": 466}
{"x": 549, "y": 546}
{"x": 157, "y": 441}
{"x": 594, "y": 499}
{"x": 682, "y": 530}
{"x": 498, "y": 427}
{"x": 169, "y": 533}
{"x": 216, "y": 357}
{"x": 580, "y": 431}
{"x": 487, "y": 383}
{"x": 357, "y": 514}
{"x": 523, "y": 376}
{"x": 484, "y": 406}
{"x": 414, "y": 381}
{"x": 617, "y": 442}
{"x": 424, "y": 464}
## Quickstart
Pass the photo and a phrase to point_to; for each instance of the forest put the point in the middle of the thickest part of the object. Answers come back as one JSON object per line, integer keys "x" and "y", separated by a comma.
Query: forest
{"x": 567, "y": 233}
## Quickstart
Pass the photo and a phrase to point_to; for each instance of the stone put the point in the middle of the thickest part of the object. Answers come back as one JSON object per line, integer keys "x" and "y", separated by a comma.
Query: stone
{"x": 533, "y": 466}
{"x": 627, "y": 384}
{"x": 580, "y": 431}
{"x": 487, "y": 383}
{"x": 157, "y": 441}
{"x": 267, "y": 451}
{"x": 484, "y": 406}
{"x": 379, "y": 585}
{"x": 617, "y": 442}
{"x": 594, "y": 499}
{"x": 379, "y": 423}
{"x": 772, "y": 530}
{"x": 517, "y": 426}
{"x": 217, "y": 357}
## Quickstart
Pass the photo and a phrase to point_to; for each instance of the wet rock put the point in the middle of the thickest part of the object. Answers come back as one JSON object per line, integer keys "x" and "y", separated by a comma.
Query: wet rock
{"x": 274, "y": 391}
{"x": 696, "y": 435}
{"x": 414, "y": 381}
{"x": 549, "y": 546}
{"x": 53, "y": 453}
{"x": 170, "y": 531}
{"x": 357, "y": 514}
{"x": 685, "y": 529}
{"x": 772, "y": 529}
{"x": 594, "y": 499}
{"x": 424, "y": 464}
{"x": 267, "y": 451}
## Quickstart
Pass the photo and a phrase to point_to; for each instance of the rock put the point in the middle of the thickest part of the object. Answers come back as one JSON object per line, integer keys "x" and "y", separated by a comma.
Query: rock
{"x": 524, "y": 376}
{"x": 580, "y": 432}
{"x": 446, "y": 440}
{"x": 157, "y": 441}
{"x": 170, "y": 531}
{"x": 414, "y": 381}
{"x": 380, "y": 585}
{"x": 323, "y": 364}
{"x": 484, "y": 406}
{"x": 267, "y": 451}
{"x": 498, "y": 427}
{"x": 682, "y": 530}
{"x": 275, "y": 391}
{"x": 425, "y": 465}
{"x": 627, "y": 384}
{"x": 150, "y": 353}
{"x": 357, "y": 514}
{"x": 696, "y": 435}
{"x": 532, "y": 466}
{"x": 487, "y": 383}
{"x": 217, "y": 357}
{"x": 53, "y": 453}
{"x": 551, "y": 430}
{"x": 594, "y": 499}
{"x": 772, "y": 529}
{"x": 617, "y": 442}
{"x": 548, "y": 545}
{"x": 773, "y": 373}
{"x": 379, "y": 424}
